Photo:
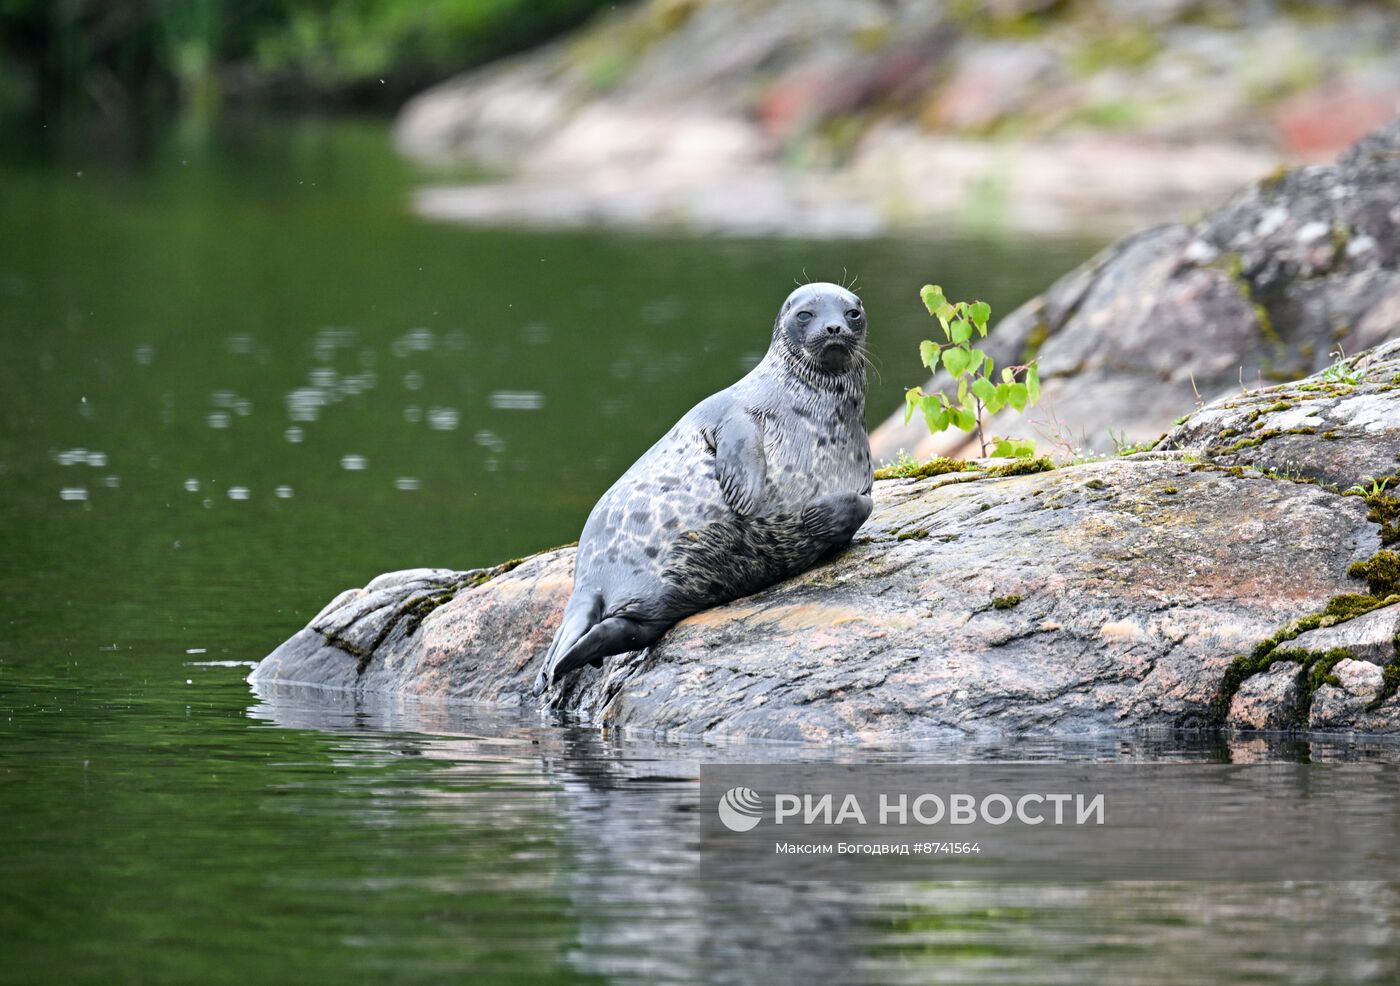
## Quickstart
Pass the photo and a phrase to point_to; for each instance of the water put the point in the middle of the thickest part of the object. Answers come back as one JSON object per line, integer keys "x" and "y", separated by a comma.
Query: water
{"x": 239, "y": 377}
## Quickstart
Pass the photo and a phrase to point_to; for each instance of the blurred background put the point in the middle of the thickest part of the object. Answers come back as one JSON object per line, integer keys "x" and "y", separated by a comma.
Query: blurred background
{"x": 294, "y": 292}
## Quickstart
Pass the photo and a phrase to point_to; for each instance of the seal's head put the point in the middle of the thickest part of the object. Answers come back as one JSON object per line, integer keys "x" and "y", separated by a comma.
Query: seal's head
{"x": 821, "y": 329}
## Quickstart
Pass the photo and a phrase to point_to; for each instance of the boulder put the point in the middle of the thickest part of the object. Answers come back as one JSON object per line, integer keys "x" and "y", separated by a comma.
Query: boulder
{"x": 1271, "y": 699}
{"x": 1370, "y": 637}
{"x": 1341, "y": 702}
{"x": 1113, "y": 593}
{"x": 1343, "y": 428}
{"x": 1297, "y": 268}
{"x": 868, "y": 116}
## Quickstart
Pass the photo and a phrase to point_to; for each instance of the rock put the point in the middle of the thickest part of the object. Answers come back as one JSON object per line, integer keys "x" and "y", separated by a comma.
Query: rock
{"x": 1109, "y": 594}
{"x": 1276, "y": 429}
{"x": 1099, "y": 122}
{"x": 1269, "y": 286}
{"x": 1341, "y": 705}
{"x": 1370, "y": 637}
{"x": 1269, "y": 700}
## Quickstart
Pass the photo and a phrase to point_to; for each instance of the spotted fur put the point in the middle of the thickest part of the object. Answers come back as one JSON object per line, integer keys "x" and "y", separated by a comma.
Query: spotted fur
{"x": 753, "y": 485}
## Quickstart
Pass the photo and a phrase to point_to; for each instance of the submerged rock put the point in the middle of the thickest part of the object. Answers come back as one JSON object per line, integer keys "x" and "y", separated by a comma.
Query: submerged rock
{"x": 1110, "y": 594}
{"x": 1293, "y": 270}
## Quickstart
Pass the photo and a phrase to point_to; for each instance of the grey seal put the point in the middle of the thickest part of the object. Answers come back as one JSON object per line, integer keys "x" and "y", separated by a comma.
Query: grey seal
{"x": 752, "y": 486}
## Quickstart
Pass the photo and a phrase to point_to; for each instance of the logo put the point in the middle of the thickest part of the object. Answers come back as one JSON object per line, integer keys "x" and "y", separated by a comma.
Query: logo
{"x": 740, "y": 809}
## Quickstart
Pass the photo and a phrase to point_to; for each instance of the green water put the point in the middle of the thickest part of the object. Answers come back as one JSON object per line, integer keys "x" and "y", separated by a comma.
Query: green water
{"x": 239, "y": 376}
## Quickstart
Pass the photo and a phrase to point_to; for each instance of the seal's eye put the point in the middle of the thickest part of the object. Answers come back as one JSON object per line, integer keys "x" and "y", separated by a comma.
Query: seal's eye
{"x": 853, "y": 314}
{"x": 804, "y": 316}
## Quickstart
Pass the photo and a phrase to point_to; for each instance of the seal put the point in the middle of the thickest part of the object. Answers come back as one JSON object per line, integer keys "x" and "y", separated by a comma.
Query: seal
{"x": 752, "y": 486}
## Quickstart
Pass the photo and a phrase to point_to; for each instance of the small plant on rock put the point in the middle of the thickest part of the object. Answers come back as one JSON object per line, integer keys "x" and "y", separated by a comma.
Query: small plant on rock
{"x": 1377, "y": 487}
{"x": 979, "y": 391}
{"x": 1341, "y": 371}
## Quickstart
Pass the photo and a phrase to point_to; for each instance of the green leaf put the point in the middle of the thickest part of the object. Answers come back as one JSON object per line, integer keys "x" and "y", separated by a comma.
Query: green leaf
{"x": 912, "y": 396}
{"x": 955, "y": 360}
{"x": 935, "y": 416}
{"x": 1013, "y": 448}
{"x": 962, "y": 388}
{"x": 1007, "y": 376}
{"x": 1016, "y": 396}
{"x": 1033, "y": 384}
{"x": 928, "y": 353}
{"x": 980, "y": 311}
{"x": 960, "y": 331}
{"x": 932, "y": 296}
{"x": 985, "y": 392}
{"x": 964, "y": 418}
{"x": 975, "y": 358}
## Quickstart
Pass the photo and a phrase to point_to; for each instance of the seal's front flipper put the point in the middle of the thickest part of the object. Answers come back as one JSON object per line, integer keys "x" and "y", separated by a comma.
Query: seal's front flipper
{"x": 837, "y": 517}
{"x": 615, "y": 635}
{"x": 740, "y": 465}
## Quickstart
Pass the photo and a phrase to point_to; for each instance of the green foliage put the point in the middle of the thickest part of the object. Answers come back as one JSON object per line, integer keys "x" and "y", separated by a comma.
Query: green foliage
{"x": 979, "y": 388}
{"x": 1341, "y": 372}
{"x": 1376, "y": 489}
{"x": 1013, "y": 448}
{"x": 363, "y": 51}
{"x": 1122, "y": 446}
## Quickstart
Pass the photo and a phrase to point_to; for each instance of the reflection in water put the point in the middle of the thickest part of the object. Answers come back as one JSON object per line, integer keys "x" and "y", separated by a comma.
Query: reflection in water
{"x": 624, "y": 813}
{"x": 157, "y": 830}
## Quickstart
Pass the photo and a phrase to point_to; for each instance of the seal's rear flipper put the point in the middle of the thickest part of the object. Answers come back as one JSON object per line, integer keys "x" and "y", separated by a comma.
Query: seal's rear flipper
{"x": 837, "y": 517}
{"x": 615, "y": 635}
{"x": 580, "y": 615}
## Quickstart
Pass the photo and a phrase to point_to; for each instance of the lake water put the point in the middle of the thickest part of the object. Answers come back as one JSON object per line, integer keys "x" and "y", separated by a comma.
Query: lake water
{"x": 238, "y": 377}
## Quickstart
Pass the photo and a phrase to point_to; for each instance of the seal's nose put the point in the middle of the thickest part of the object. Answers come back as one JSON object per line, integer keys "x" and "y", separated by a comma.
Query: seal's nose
{"x": 833, "y": 329}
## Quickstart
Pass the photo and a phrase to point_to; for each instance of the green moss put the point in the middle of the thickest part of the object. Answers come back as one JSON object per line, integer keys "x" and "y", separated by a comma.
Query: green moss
{"x": 1350, "y": 605}
{"x": 1274, "y": 178}
{"x": 1341, "y": 236}
{"x": 1390, "y": 680}
{"x": 1317, "y": 669}
{"x": 1169, "y": 490}
{"x": 1126, "y": 45}
{"x": 1320, "y": 669}
{"x": 1252, "y": 442}
{"x": 1233, "y": 266}
{"x": 1381, "y": 572}
{"x": 1006, "y": 602}
{"x": 917, "y": 534}
{"x": 937, "y": 466}
{"x": 1226, "y": 433}
{"x": 1096, "y": 484}
{"x": 1022, "y": 467}
{"x": 1385, "y": 510}
{"x": 1038, "y": 334}
{"x": 1339, "y": 609}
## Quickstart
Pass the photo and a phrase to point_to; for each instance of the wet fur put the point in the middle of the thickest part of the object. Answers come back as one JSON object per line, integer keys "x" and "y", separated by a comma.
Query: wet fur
{"x": 752, "y": 486}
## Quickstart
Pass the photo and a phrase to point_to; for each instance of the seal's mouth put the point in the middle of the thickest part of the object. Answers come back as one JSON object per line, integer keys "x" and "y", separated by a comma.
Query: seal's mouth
{"x": 835, "y": 353}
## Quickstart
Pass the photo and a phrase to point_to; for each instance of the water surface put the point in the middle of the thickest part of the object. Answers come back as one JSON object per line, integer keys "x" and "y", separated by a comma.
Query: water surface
{"x": 238, "y": 377}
